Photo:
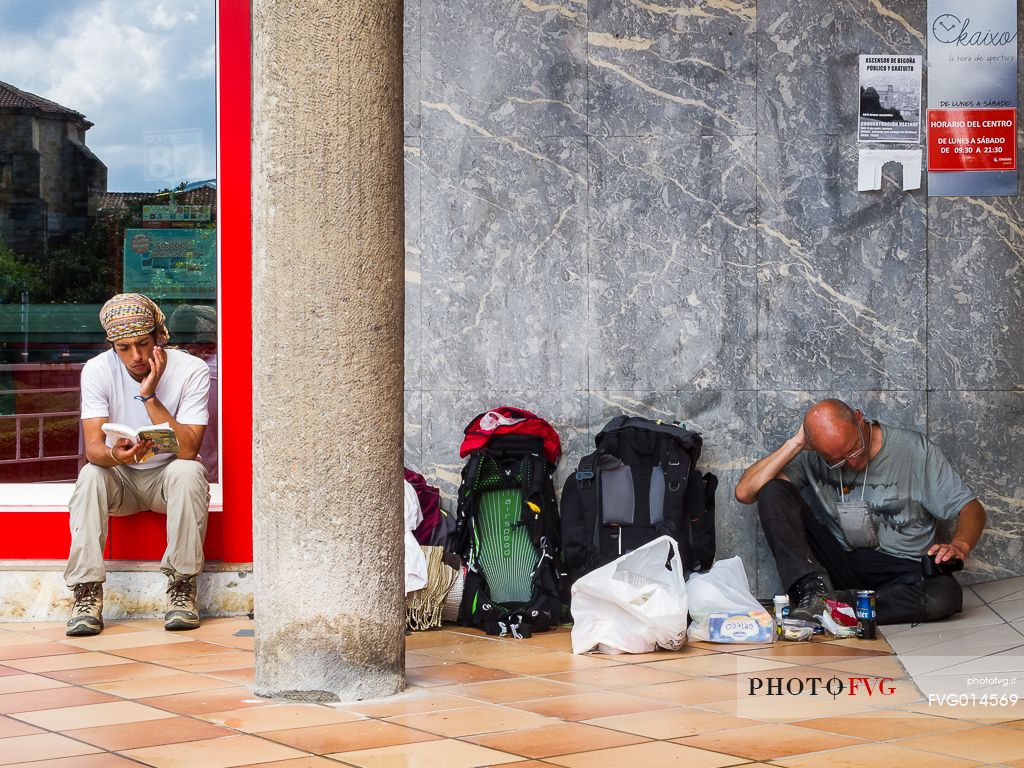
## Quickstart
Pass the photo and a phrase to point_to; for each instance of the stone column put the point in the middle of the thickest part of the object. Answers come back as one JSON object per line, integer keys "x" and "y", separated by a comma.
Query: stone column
{"x": 327, "y": 205}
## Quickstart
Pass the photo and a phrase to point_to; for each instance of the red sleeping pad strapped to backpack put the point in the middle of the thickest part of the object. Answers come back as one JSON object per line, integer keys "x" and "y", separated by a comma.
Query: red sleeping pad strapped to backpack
{"x": 505, "y": 420}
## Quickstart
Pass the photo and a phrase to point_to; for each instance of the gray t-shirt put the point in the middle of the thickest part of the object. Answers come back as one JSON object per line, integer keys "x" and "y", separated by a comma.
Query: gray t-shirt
{"x": 909, "y": 485}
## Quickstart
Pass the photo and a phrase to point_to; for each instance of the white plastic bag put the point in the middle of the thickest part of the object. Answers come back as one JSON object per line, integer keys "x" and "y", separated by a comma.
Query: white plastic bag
{"x": 632, "y": 605}
{"x": 723, "y": 609}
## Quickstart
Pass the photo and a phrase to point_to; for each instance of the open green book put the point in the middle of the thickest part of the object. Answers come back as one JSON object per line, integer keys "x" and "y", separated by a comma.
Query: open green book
{"x": 161, "y": 435}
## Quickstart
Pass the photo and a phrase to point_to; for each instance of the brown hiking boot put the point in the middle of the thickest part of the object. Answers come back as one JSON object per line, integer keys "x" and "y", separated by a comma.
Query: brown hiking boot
{"x": 182, "y": 612}
{"x": 87, "y": 612}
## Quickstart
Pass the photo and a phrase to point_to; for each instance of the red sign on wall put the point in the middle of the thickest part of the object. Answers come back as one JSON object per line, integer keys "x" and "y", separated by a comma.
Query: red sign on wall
{"x": 972, "y": 139}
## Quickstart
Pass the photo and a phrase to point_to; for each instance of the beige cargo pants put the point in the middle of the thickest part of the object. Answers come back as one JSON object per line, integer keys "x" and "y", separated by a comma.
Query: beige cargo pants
{"x": 178, "y": 489}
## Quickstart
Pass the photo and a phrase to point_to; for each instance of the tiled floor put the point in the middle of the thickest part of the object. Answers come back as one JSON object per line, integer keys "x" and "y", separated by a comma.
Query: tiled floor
{"x": 139, "y": 696}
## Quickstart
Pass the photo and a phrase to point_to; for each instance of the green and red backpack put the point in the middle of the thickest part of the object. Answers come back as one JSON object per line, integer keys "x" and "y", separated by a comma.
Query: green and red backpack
{"x": 507, "y": 524}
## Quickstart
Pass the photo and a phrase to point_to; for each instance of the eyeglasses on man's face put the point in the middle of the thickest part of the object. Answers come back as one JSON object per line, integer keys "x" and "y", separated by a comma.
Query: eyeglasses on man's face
{"x": 855, "y": 454}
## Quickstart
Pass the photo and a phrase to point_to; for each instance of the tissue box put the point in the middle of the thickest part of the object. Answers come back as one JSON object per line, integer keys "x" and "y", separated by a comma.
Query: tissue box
{"x": 750, "y": 627}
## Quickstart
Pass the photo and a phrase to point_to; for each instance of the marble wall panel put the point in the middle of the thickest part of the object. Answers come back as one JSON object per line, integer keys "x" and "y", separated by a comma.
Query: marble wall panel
{"x": 503, "y": 67}
{"x": 413, "y": 272}
{"x": 841, "y": 273}
{"x": 780, "y": 414}
{"x": 976, "y": 293}
{"x": 413, "y": 441}
{"x": 982, "y": 435}
{"x": 503, "y": 264}
{"x": 411, "y": 38}
{"x": 726, "y": 419}
{"x": 446, "y": 414}
{"x": 672, "y": 250}
{"x": 670, "y": 69}
{"x": 807, "y": 58}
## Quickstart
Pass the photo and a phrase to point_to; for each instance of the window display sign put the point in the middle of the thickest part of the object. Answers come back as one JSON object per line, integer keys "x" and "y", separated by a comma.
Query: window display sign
{"x": 176, "y": 213}
{"x": 972, "y": 97}
{"x": 171, "y": 263}
{"x": 890, "y": 99}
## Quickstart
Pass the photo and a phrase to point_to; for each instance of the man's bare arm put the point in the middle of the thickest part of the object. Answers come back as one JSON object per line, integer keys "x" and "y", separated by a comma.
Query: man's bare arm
{"x": 769, "y": 468}
{"x": 968, "y": 531}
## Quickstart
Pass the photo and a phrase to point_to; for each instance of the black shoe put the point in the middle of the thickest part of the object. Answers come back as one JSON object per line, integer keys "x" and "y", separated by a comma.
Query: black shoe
{"x": 811, "y": 592}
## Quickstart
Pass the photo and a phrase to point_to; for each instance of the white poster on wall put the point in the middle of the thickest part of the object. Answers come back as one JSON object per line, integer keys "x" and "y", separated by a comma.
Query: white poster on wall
{"x": 890, "y": 99}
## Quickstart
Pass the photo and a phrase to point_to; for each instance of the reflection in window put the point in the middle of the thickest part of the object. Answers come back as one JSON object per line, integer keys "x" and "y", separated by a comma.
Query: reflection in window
{"x": 105, "y": 187}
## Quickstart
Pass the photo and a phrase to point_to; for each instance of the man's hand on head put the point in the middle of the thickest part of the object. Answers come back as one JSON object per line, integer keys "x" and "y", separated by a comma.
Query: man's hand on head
{"x": 800, "y": 438}
{"x": 157, "y": 365}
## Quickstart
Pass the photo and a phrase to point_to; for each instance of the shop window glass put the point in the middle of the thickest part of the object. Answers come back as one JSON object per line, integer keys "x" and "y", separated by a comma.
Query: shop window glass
{"x": 107, "y": 185}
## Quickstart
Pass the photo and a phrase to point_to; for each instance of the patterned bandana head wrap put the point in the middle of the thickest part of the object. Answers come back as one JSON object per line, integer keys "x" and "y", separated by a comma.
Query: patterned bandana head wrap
{"x": 132, "y": 314}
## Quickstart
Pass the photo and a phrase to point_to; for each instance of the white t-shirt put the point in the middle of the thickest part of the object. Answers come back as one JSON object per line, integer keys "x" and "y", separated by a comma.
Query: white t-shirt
{"x": 108, "y": 390}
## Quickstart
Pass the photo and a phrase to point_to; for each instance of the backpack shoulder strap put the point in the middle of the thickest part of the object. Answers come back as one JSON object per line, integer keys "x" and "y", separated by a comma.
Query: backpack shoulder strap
{"x": 675, "y": 462}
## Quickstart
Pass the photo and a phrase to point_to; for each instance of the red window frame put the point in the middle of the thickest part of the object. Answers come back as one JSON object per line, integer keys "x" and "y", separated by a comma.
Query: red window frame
{"x": 39, "y": 534}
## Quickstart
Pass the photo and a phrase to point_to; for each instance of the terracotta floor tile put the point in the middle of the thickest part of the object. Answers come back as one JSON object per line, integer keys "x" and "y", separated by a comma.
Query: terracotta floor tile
{"x": 724, "y": 664}
{"x": 673, "y": 723}
{"x": 148, "y": 734}
{"x": 42, "y": 746}
{"x": 245, "y": 676}
{"x": 102, "y": 760}
{"x": 472, "y": 721}
{"x": 11, "y": 727}
{"x": 766, "y": 742}
{"x": 696, "y": 691}
{"x": 279, "y": 717}
{"x": 214, "y": 662}
{"x": 787, "y": 709}
{"x": 622, "y": 676}
{"x": 194, "y": 650}
{"x": 201, "y": 702}
{"x": 436, "y": 637}
{"x": 654, "y": 657}
{"x": 813, "y": 653}
{"x": 989, "y": 744}
{"x": 84, "y": 660}
{"x": 34, "y": 650}
{"x": 445, "y": 753}
{"x": 557, "y": 739}
{"x": 516, "y": 689}
{"x": 410, "y": 702}
{"x": 29, "y": 626}
{"x": 17, "y": 638}
{"x": 129, "y": 670}
{"x": 884, "y": 725}
{"x": 971, "y": 713}
{"x": 125, "y": 641}
{"x": 548, "y": 663}
{"x": 22, "y": 683}
{"x": 876, "y": 666}
{"x": 590, "y": 705}
{"x": 342, "y": 737}
{"x": 482, "y": 649}
{"x": 4, "y": 671}
{"x": 12, "y": 703}
{"x": 454, "y": 674}
{"x": 92, "y": 715}
{"x": 299, "y": 762}
{"x": 878, "y": 644}
{"x": 57, "y": 632}
{"x": 161, "y": 685}
{"x": 224, "y": 752}
{"x": 557, "y": 640}
{"x": 873, "y": 755}
{"x": 652, "y": 753}
{"x": 417, "y": 660}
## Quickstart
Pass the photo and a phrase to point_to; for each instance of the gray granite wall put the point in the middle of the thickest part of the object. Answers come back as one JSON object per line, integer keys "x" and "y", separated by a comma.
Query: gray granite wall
{"x": 650, "y": 206}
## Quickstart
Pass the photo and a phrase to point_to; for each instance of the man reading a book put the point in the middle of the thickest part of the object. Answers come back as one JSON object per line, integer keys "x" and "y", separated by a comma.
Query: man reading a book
{"x": 138, "y": 383}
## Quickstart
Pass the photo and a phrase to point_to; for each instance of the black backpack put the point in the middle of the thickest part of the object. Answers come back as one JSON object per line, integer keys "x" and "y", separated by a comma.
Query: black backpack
{"x": 508, "y": 535}
{"x": 639, "y": 484}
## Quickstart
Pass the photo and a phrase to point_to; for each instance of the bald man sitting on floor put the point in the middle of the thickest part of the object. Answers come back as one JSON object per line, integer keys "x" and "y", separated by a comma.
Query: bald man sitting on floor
{"x": 849, "y": 504}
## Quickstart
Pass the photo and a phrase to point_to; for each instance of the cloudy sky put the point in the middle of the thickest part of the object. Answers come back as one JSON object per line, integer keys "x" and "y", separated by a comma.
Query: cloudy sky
{"x": 141, "y": 70}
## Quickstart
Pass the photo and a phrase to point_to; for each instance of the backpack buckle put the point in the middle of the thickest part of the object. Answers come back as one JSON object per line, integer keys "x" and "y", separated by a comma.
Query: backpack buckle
{"x": 673, "y": 487}
{"x": 584, "y": 477}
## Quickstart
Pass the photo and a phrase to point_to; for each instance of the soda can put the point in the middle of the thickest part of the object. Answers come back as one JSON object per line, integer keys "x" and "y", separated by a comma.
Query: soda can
{"x": 865, "y": 610}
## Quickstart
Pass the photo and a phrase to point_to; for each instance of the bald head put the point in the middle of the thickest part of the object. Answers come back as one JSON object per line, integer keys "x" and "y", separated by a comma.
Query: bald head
{"x": 833, "y": 429}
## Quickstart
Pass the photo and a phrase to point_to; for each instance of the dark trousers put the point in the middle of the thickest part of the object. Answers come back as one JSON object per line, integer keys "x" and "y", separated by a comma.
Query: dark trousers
{"x": 803, "y": 546}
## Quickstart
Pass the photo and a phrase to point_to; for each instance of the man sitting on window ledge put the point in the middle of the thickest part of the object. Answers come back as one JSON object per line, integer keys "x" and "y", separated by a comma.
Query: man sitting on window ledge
{"x": 138, "y": 383}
